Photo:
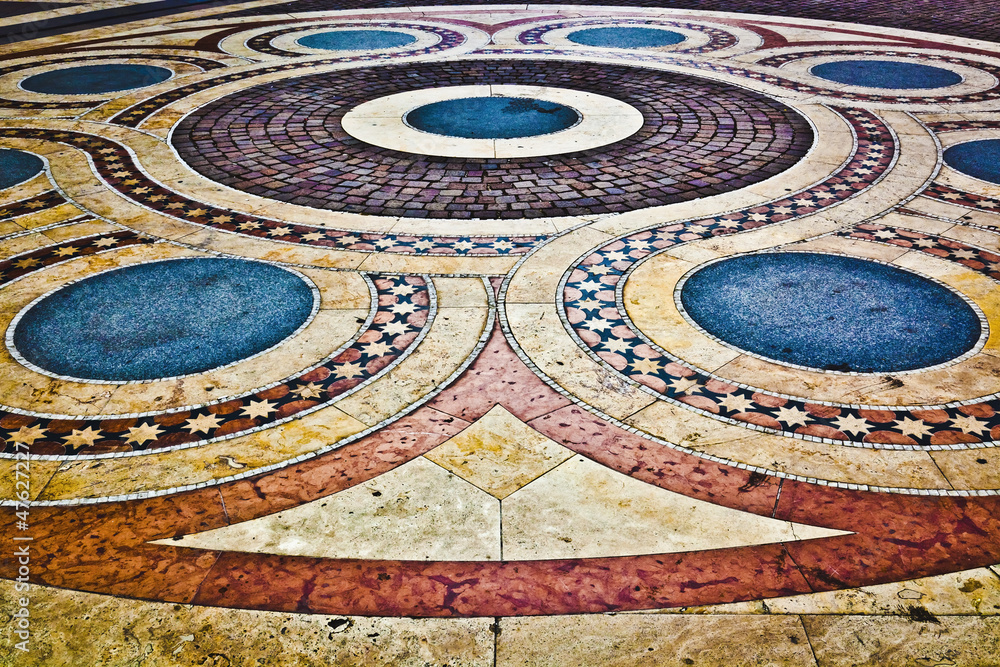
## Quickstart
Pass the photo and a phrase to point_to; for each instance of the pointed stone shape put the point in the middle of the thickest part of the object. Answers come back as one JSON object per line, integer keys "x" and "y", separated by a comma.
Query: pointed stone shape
{"x": 499, "y": 453}
{"x": 584, "y": 510}
{"x": 418, "y": 511}
{"x": 795, "y": 34}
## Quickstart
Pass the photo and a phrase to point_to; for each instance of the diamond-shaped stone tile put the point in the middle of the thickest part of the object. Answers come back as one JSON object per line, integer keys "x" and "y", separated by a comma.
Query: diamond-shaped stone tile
{"x": 499, "y": 453}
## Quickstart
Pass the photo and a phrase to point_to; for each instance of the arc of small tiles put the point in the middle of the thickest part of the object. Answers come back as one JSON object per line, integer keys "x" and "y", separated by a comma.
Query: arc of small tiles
{"x": 203, "y": 63}
{"x": 402, "y": 312}
{"x": 595, "y": 317}
{"x": 262, "y": 43}
{"x": 46, "y": 200}
{"x": 951, "y": 195}
{"x": 18, "y": 266}
{"x": 718, "y": 39}
{"x": 979, "y": 260}
{"x": 116, "y": 165}
{"x": 763, "y": 77}
{"x": 135, "y": 114}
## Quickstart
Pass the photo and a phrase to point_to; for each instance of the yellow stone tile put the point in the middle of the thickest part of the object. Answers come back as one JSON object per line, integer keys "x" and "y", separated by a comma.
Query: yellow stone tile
{"x": 418, "y": 511}
{"x": 499, "y": 453}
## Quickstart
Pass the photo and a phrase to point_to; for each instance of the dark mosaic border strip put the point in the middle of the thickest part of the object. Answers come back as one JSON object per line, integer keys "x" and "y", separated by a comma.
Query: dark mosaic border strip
{"x": 116, "y": 165}
{"x": 134, "y": 115}
{"x": 718, "y": 39}
{"x": 979, "y": 260}
{"x": 595, "y": 316}
{"x": 401, "y": 315}
{"x": 46, "y": 200}
{"x": 961, "y": 125}
{"x": 766, "y": 77}
{"x": 203, "y": 63}
{"x": 952, "y": 195}
{"x": 21, "y": 265}
{"x": 262, "y": 43}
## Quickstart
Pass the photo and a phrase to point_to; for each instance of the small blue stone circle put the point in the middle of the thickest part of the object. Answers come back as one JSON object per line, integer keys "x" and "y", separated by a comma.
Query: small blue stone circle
{"x": 492, "y": 117}
{"x": 163, "y": 319}
{"x": 830, "y": 312}
{"x": 96, "y": 79}
{"x": 626, "y": 37}
{"x": 17, "y": 167}
{"x": 979, "y": 159}
{"x": 886, "y": 74}
{"x": 356, "y": 40}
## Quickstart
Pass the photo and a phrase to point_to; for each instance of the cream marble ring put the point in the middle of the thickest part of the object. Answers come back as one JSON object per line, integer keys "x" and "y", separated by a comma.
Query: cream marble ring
{"x": 602, "y": 121}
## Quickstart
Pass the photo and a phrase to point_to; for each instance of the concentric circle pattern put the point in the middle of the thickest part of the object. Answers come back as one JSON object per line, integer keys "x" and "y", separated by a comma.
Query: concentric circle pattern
{"x": 356, "y": 40}
{"x": 830, "y": 312}
{"x": 626, "y": 37}
{"x": 284, "y": 141}
{"x": 162, "y": 319}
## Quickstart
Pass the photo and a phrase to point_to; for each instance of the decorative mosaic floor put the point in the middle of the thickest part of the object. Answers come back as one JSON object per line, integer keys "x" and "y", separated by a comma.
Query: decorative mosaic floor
{"x": 370, "y": 334}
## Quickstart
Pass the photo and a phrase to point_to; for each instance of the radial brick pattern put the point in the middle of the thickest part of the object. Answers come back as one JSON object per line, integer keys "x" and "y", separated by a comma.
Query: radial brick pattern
{"x": 284, "y": 141}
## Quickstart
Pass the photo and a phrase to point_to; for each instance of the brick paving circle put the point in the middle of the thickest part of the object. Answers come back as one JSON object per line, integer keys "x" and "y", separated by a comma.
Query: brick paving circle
{"x": 284, "y": 141}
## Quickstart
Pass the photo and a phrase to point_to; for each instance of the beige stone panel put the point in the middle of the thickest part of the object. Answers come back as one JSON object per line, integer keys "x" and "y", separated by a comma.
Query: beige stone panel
{"x": 440, "y": 264}
{"x": 30, "y": 188}
{"x": 98, "y": 478}
{"x": 418, "y": 511}
{"x": 583, "y": 509}
{"x": 652, "y": 640}
{"x": 499, "y": 453}
{"x": 273, "y": 251}
{"x": 988, "y": 240}
{"x": 891, "y": 641}
{"x": 76, "y": 230}
{"x": 856, "y": 465}
{"x": 451, "y": 339}
{"x": 926, "y": 225}
{"x": 983, "y": 218}
{"x": 695, "y": 209}
{"x": 21, "y": 244}
{"x": 970, "y": 468}
{"x": 537, "y": 280}
{"x": 37, "y": 474}
{"x": 325, "y": 334}
{"x": 540, "y": 333}
{"x": 73, "y": 628}
{"x": 463, "y": 293}
{"x": 853, "y": 247}
{"x": 937, "y": 207}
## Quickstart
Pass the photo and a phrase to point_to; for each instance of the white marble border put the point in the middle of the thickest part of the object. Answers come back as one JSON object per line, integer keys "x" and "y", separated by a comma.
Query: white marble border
{"x": 604, "y": 121}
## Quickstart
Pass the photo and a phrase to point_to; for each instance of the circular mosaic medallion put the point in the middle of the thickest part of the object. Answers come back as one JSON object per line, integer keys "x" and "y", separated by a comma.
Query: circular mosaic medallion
{"x": 830, "y": 312}
{"x": 356, "y": 40}
{"x": 886, "y": 74}
{"x": 626, "y": 37}
{"x": 162, "y": 319}
{"x": 286, "y": 141}
{"x": 979, "y": 159}
{"x": 96, "y": 79}
{"x": 492, "y": 117}
{"x": 17, "y": 167}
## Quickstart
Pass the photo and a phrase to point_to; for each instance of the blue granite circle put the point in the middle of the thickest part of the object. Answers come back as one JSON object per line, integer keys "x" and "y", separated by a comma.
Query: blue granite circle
{"x": 492, "y": 117}
{"x": 626, "y": 37}
{"x": 17, "y": 167}
{"x": 356, "y": 40}
{"x": 831, "y": 312}
{"x": 163, "y": 319}
{"x": 95, "y": 79}
{"x": 886, "y": 74}
{"x": 979, "y": 159}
